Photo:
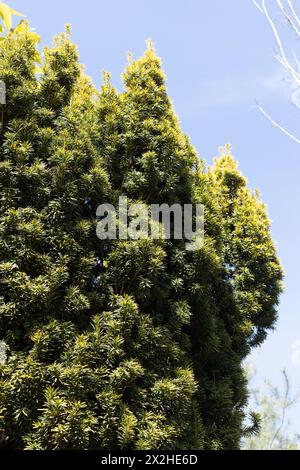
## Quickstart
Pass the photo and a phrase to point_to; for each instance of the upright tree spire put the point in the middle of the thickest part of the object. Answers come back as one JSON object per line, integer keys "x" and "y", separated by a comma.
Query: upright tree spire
{"x": 236, "y": 303}
{"x": 157, "y": 159}
{"x": 60, "y": 72}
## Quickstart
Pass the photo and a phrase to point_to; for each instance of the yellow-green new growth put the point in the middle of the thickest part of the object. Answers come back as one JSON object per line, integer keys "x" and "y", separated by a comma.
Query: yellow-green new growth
{"x": 6, "y": 15}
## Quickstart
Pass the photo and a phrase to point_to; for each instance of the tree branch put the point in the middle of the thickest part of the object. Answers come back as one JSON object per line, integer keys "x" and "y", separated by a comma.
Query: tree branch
{"x": 285, "y": 406}
{"x": 258, "y": 6}
{"x": 294, "y": 12}
{"x": 289, "y": 18}
{"x": 276, "y": 124}
{"x": 282, "y": 58}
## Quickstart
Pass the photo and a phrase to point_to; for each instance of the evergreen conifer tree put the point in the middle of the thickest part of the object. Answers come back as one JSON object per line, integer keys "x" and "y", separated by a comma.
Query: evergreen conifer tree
{"x": 228, "y": 289}
{"x": 119, "y": 344}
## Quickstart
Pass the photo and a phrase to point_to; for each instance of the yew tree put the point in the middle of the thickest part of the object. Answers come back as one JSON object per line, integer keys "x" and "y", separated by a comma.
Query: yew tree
{"x": 120, "y": 344}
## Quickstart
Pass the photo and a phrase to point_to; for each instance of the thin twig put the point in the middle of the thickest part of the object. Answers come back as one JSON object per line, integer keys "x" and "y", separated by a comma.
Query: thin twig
{"x": 294, "y": 12}
{"x": 285, "y": 405}
{"x": 258, "y": 6}
{"x": 289, "y": 19}
{"x": 285, "y": 61}
{"x": 296, "y": 61}
{"x": 276, "y": 124}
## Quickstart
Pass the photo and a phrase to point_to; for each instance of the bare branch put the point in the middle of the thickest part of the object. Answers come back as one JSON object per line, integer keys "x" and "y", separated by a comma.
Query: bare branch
{"x": 289, "y": 18}
{"x": 283, "y": 58}
{"x": 294, "y": 12}
{"x": 276, "y": 124}
{"x": 296, "y": 61}
{"x": 292, "y": 66}
{"x": 284, "y": 408}
{"x": 258, "y": 6}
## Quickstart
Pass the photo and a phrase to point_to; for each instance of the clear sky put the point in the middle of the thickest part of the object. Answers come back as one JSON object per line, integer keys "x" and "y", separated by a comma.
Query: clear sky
{"x": 219, "y": 59}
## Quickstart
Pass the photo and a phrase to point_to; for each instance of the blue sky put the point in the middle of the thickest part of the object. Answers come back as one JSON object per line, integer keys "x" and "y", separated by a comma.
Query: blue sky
{"x": 219, "y": 59}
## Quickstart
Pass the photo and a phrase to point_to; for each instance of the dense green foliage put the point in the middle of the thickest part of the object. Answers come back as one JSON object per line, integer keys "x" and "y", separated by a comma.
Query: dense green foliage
{"x": 119, "y": 344}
